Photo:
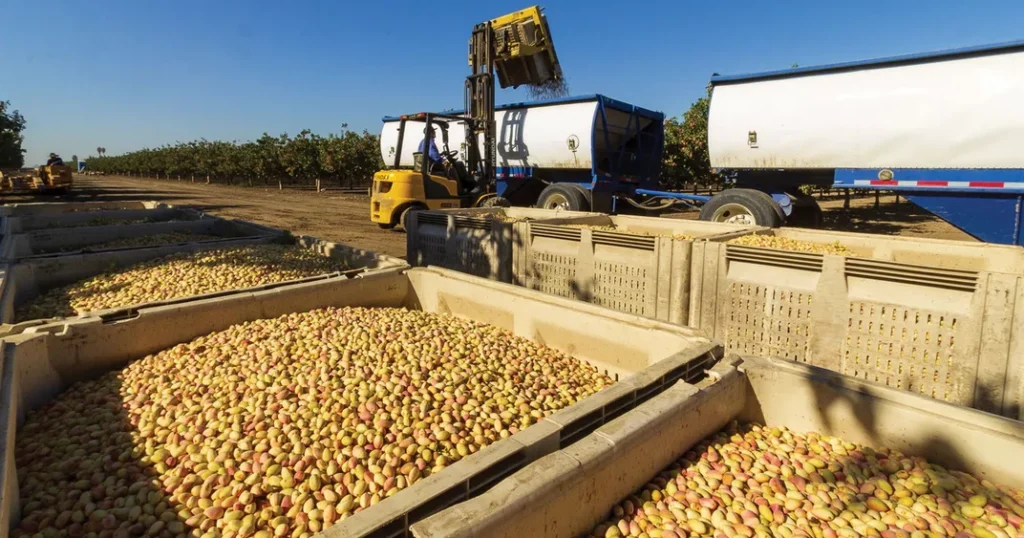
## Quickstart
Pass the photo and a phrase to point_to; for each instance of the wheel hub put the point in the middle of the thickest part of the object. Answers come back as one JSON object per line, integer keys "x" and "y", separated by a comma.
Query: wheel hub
{"x": 734, "y": 214}
{"x": 556, "y": 201}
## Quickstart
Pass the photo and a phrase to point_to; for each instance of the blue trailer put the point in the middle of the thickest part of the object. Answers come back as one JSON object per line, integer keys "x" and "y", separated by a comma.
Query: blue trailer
{"x": 942, "y": 129}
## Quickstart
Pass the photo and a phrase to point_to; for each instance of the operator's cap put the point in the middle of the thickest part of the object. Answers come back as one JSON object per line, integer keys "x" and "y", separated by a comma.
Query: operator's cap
{"x": 53, "y": 155}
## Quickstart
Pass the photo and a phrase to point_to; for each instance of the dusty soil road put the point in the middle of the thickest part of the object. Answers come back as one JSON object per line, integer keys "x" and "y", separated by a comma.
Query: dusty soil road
{"x": 345, "y": 218}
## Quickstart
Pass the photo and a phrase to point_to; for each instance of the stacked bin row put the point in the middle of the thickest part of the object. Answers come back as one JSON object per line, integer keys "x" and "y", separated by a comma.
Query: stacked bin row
{"x": 637, "y": 265}
{"x": 27, "y": 278}
{"x": 938, "y": 317}
{"x": 479, "y": 242}
{"x": 48, "y": 234}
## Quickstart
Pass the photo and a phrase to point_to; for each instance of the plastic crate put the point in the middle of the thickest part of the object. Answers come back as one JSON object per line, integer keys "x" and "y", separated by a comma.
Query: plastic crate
{"x": 150, "y": 212}
{"x": 641, "y": 267}
{"x": 568, "y": 493}
{"x": 478, "y": 242}
{"x": 64, "y": 241}
{"x": 23, "y": 281}
{"x": 950, "y": 327}
{"x": 646, "y": 357}
{"x": 20, "y": 209}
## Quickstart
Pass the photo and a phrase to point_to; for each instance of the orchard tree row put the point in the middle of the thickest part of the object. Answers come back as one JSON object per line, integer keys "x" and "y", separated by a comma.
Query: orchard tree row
{"x": 346, "y": 160}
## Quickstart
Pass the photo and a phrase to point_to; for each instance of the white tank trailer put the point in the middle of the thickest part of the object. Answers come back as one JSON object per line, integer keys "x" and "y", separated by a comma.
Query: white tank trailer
{"x": 942, "y": 128}
{"x": 595, "y": 144}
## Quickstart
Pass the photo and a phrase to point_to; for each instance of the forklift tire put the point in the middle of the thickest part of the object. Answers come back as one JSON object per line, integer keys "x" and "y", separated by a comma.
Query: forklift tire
{"x": 496, "y": 201}
{"x": 743, "y": 206}
{"x": 563, "y": 196}
{"x": 386, "y": 225}
{"x": 405, "y": 215}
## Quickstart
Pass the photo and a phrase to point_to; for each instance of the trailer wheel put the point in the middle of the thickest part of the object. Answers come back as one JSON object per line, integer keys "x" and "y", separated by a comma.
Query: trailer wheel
{"x": 567, "y": 197}
{"x": 742, "y": 206}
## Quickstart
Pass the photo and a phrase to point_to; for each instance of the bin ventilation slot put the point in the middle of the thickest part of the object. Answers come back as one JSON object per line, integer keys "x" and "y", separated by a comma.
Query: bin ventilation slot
{"x": 582, "y": 426}
{"x": 437, "y": 219}
{"x": 795, "y": 260}
{"x": 450, "y": 496}
{"x": 912, "y": 274}
{"x": 625, "y": 240}
{"x": 555, "y": 232}
{"x": 475, "y": 223}
{"x": 497, "y": 472}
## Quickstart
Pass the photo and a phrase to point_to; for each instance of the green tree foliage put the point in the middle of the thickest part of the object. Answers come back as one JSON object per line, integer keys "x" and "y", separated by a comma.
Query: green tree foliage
{"x": 348, "y": 160}
{"x": 686, "y": 158}
{"x": 12, "y": 124}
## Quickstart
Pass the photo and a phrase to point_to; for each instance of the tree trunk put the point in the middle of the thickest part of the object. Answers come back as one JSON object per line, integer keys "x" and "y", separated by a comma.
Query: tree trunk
{"x": 192, "y": 178}
{"x": 876, "y": 199}
{"x": 280, "y": 186}
{"x": 317, "y": 184}
{"x": 207, "y": 179}
{"x": 846, "y": 198}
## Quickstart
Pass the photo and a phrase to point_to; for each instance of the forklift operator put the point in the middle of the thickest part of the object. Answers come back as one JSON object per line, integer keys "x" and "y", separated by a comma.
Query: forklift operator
{"x": 432, "y": 154}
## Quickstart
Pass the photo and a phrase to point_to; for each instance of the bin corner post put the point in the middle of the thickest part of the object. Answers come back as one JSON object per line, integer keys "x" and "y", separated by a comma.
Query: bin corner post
{"x": 998, "y": 374}
{"x": 705, "y": 259}
{"x": 678, "y": 307}
{"x": 658, "y": 304}
{"x": 1014, "y": 402}
{"x": 586, "y": 279}
{"x": 502, "y": 238}
{"x": 412, "y": 240}
{"x": 829, "y": 314}
{"x": 520, "y": 235}
{"x": 451, "y": 256}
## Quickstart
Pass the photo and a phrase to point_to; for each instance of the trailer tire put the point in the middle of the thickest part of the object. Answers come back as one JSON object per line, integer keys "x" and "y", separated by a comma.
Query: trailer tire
{"x": 743, "y": 206}
{"x": 564, "y": 196}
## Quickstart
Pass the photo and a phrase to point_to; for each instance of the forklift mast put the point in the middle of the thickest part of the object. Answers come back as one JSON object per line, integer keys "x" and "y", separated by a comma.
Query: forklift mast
{"x": 518, "y": 47}
{"x": 480, "y": 104}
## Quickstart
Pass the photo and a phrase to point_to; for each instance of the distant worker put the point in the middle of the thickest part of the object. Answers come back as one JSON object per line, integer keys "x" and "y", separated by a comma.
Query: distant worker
{"x": 433, "y": 155}
{"x": 55, "y": 159}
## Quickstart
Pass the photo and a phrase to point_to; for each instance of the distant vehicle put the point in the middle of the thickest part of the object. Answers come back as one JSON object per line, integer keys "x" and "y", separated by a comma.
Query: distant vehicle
{"x": 53, "y": 179}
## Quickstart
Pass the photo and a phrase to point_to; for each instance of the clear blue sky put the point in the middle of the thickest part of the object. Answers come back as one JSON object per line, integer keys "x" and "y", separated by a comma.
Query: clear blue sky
{"x": 129, "y": 74}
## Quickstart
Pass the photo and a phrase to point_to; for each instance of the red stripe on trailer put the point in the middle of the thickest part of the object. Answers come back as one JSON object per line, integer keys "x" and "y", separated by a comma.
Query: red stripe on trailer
{"x": 932, "y": 183}
{"x": 884, "y": 182}
{"x": 987, "y": 184}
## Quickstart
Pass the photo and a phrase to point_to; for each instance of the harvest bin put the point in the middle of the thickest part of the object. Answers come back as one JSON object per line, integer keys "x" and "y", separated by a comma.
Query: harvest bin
{"x": 644, "y": 356}
{"x": 641, "y": 267}
{"x": 940, "y": 318}
{"x": 60, "y": 241}
{"x": 479, "y": 242}
{"x": 149, "y": 211}
{"x": 569, "y": 492}
{"x": 27, "y": 279}
{"x": 43, "y": 208}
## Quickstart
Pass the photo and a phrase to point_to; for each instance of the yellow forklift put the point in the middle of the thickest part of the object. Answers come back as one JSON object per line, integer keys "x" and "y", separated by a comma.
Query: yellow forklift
{"x": 519, "y": 49}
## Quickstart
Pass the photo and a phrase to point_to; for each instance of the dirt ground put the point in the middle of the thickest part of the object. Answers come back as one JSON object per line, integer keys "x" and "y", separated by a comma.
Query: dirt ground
{"x": 345, "y": 218}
